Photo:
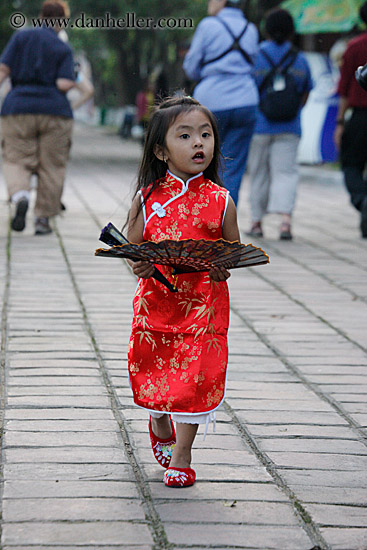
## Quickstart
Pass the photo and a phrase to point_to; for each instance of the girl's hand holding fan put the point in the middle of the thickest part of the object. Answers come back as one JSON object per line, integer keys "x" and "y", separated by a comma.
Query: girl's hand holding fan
{"x": 219, "y": 274}
{"x": 143, "y": 270}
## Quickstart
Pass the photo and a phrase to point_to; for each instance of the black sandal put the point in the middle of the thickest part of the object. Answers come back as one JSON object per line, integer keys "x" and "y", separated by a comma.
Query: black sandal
{"x": 256, "y": 230}
{"x": 285, "y": 232}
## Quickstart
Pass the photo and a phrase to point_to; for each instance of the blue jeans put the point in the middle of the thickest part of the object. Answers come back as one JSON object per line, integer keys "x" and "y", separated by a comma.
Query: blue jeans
{"x": 236, "y": 127}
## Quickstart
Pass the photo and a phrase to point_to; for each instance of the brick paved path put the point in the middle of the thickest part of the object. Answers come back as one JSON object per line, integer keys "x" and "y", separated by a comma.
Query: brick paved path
{"x": 287, "y": 468}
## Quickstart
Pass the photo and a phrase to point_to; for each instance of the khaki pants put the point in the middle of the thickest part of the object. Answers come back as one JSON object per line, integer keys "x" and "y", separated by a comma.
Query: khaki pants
{"x": 36, "y": 144}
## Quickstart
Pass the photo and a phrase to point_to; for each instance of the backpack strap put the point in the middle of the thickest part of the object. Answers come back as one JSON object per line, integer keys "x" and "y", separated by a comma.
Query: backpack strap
{"x": 235, "y": 46}
{"x": 292, "y": 53}
{"x": 293, "y": 58}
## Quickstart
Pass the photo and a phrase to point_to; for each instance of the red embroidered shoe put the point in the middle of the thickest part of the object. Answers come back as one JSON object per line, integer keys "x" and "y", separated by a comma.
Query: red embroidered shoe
{"x": 162, "y": 448}
{"x": 179, "y": 477}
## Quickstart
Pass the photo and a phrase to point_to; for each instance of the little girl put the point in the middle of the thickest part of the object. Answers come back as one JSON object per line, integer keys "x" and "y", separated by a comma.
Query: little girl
{"x": 178, "y": 349}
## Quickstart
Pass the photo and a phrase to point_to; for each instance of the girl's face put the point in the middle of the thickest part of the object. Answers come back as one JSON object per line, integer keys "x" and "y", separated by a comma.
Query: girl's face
{"x": 189, "y": 145}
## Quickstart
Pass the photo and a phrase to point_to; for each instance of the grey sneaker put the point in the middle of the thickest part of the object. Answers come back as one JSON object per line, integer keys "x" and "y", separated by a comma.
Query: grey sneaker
{"x": 42, "y": 226}
{"x": 18, "y": 222}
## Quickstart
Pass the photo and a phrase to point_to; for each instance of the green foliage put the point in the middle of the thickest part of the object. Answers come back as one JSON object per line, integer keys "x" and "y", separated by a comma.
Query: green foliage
{"x": 6, "y": 9}
{"x": 122, "y": 58}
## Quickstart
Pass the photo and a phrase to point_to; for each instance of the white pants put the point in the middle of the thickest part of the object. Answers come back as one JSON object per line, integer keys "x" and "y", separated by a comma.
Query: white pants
{"x": 274, "y": 174}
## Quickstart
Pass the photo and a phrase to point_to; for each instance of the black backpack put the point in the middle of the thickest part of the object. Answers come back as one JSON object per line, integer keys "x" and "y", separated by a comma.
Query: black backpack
{"x": 280, "y": 99}
{"x": 235, "y": 46}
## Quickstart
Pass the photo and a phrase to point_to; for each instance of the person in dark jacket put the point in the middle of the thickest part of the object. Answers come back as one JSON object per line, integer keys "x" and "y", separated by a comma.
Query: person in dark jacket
{"x": 36, "y": 118}
{"x": 351, "y": 135}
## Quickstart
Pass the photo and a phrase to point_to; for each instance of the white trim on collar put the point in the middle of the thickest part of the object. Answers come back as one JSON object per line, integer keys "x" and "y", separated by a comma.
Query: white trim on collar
{"x": 185, "y": 187}
{"x": 187, "y": 181}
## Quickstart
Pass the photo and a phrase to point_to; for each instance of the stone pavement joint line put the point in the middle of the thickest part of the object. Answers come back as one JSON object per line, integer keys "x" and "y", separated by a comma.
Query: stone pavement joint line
{"x": 329, "y": 280}
{"x": 334, "y": 254}
{"x": 301, "y": 304}
{"x": 153, "y": 518}
{"x": 3, "y": 350}
{"x": 313, "y": 387}
{"x": 309, "y": 526}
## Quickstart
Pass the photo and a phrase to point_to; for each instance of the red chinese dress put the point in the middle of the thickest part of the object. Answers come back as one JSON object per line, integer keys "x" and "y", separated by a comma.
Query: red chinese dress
{"x": 178, "y": 350}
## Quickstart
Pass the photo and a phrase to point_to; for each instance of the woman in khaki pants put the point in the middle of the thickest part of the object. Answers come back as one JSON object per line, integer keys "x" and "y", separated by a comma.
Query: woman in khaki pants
{"x": 37, "y": 118}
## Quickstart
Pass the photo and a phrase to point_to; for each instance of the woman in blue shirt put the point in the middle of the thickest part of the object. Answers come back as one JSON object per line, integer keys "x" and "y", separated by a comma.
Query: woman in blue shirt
{"x": 273, "y": 152}
{"x": 226, "y": 85}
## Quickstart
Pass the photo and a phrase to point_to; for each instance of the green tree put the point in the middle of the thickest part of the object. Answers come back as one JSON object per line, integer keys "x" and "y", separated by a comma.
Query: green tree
{"x": 122, "y": 58}
{"x": 6, "y": 9}
{"x": 136, "y": 52}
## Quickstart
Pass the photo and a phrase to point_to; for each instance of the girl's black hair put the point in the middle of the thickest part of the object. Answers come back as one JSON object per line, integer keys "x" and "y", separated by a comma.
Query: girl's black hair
{"x": 152, "y": 170}
{"x": 279, "y": 25}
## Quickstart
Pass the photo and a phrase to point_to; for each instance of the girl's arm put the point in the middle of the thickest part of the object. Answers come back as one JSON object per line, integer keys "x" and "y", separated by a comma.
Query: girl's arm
{"x": 135, "y": 235}
{"x": 230, "y": 233}
{"x": 230, "y": 227}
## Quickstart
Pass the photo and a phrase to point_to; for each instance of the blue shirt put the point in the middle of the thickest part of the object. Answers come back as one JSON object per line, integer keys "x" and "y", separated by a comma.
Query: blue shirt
{"x": 36, "y": 59}
{"x": 302, "y": 75}
{"x": 227, "y": 83}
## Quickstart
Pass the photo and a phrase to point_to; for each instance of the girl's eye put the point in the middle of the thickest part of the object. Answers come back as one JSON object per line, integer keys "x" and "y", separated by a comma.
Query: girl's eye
{"x": 184, "y": 136}
{"x": 206, "y": 134}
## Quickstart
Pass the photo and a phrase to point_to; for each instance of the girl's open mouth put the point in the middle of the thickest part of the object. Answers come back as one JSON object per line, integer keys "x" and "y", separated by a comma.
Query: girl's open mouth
{"x": 199, "y": 156}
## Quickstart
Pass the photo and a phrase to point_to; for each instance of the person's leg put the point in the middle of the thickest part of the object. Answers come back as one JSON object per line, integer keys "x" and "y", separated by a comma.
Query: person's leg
{"x": 284, "y": 179}
{"x": 54, "y": 146}
{"x": 19, "y": 149}
{"x": 259, "y": 172}
{"x": 353, "y": 156}
{"x": 223, "y": 122}
{"x": 236, "y": 127}
{"x": 161, "y": 425}
{"x": 185, "y": 436}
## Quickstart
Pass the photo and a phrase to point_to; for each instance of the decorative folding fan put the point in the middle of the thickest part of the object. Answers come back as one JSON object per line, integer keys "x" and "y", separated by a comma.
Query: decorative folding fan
{"x": 188, "y": 255}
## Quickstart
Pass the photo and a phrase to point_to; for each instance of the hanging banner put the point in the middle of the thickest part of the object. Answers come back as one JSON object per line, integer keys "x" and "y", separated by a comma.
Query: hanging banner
{"x": 314, "y": 16}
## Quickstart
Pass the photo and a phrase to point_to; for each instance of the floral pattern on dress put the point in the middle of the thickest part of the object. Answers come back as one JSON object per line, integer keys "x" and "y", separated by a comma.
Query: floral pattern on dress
{"x": 178, "y": 349}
